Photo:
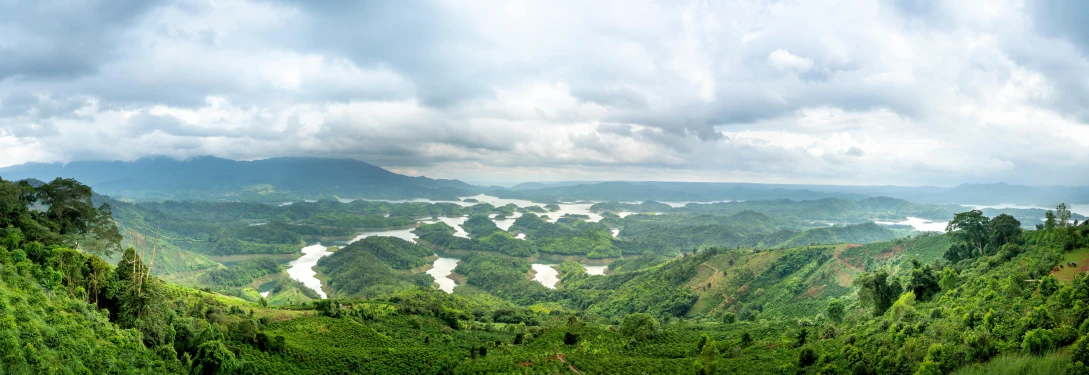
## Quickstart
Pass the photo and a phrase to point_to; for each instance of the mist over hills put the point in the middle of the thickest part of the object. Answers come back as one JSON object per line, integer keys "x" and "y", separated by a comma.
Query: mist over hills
{"x": 294, "y": 178}
{"x": 981, "y": 194}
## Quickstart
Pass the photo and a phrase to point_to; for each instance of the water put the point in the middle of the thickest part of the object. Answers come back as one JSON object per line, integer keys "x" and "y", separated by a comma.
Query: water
{"x": 404, "y": 234}
{"x": 1080, "y": 209}
{"x": 506, "y": 223}
{"x": 919, "y": 224}
{"x": 265, "y": 293}
{"x": 682, "y": 204}
{"x": 520, "y": 236}
{"x": 499, "y": 202}
{"x": 624, "y": 214}
{"x": 302, "y": 269}
{"x": 546, "y": 275}
{"x": 454, "y": 222}
{"x": 441, "y": 270}
{"x": 1004, "y": 205}
{"x": 595, "y": 270}
{"x": 573, "y": 209}
{"x": 616, "y": 232}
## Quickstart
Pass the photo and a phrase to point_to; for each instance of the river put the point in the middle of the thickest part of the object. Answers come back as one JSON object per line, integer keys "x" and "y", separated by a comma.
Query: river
{"x": 302, "y": 269}
{"x": 546, "y": 275}
{"x": 441, "y": 270}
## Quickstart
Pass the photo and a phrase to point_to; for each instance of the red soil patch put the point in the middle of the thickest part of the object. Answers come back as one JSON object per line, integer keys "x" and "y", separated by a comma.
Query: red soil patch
{"x": 814, "y": 291}
{"x": 743, "y": 289}
{"x": 898, "y": 249}
{"x": 851, "y": 246}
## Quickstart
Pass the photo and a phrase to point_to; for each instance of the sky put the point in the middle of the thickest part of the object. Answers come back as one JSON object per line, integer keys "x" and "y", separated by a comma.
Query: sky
{"x": 858, "y": 92}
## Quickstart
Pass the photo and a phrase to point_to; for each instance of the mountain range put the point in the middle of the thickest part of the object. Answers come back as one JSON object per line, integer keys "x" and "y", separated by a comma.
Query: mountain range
{"x": 294, "y": 178}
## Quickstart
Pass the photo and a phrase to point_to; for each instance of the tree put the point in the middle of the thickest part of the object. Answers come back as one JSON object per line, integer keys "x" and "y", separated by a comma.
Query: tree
{"x": 1004, "y": 229}
{"x": 746, "y": 340}
{"x": 970, "y": 227}
{"x": 70, "y": 212}
{"x": 707, "y": 355}
{"x": 1037, "y": 341}
{"x": 213, "y": 358}
{"x": 950, "y": 279}
{"x": 1063, "y": 215}
{"x": 924, "y": 282}
{"x": 904, "y": 307}
{"x": 1049, "y": 220}
{"x": 640, "y": 326}
{"x": 806, "y": 358}
{"x": 835, "y": 311}
{"x": 876, "y": 289}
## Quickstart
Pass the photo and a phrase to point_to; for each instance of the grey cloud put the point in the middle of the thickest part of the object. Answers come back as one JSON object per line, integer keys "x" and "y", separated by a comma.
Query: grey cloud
{"x": 613, "y": 128}
{"x": 62, "y": 39}
{"x": 659, "y": 76}
{"x": 145, "y": 122}
{"x": 1062, "y": 19}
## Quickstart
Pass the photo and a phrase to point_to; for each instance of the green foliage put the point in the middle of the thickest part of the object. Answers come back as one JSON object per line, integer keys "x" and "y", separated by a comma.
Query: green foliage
{"x": 836, "y": 310}
{"x": 243, "y": 273}
{"x": 213, "y": 358}
{"x": 877, "y": 290}
{"x": 370, "y": 267}
{"x": 924, "y": 281}
{"x": 970, "y": 228}
{"x": 1037, "y": 341}
{"x": 640, "y": 326}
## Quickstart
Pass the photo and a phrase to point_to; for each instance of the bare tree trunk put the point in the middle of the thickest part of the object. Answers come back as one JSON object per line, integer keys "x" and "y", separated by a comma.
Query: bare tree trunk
{"x": 154, "y": 247}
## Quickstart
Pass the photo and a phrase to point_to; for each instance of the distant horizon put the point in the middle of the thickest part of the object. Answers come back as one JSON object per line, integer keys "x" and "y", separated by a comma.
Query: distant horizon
{"x": 510, "y": 184}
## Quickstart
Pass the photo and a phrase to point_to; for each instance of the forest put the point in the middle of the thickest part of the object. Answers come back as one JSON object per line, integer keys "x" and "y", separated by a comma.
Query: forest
{"x": 700, "y": 289}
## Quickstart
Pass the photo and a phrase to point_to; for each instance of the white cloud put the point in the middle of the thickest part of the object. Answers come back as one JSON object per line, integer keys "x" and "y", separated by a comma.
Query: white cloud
{"x": 783, "y": 60}
{"x": 818, "y": 91}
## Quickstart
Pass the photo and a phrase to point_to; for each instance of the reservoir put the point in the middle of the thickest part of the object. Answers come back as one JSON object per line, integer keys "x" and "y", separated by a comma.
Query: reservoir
{"x": 441, "y": 270}
{"x": 302, "y": 269}
{"x": 546, "y": 275}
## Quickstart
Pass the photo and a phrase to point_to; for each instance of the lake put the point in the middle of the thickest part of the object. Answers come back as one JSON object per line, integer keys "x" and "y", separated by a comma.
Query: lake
{"x": 595, "y": 270}
{"x": 922, "y": 225}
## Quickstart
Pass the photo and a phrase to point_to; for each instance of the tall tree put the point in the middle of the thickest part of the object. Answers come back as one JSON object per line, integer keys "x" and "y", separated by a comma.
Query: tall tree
{"x": 971, "y": 228}
{"x": 1004, "y": 229}
{"x": 68, "y": 210}
{"x": 1063, "y": 215}
{"x": 876, "y": 289}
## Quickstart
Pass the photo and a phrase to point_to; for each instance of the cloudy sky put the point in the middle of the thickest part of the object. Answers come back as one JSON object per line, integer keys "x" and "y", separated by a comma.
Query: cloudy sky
{"x": 857, "y": 92}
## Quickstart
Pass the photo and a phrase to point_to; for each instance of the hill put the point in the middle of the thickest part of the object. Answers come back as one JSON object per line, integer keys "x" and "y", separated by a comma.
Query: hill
{"x": 272, "y": 180}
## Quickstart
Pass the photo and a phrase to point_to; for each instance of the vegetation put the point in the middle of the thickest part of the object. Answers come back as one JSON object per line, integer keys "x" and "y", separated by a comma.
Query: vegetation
{"x": 370, "y": 267}
{"x": 988, "y": 296}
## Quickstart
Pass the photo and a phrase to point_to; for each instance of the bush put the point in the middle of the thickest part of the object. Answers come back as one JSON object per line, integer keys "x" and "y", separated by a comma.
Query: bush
{"x": 1037, "y": 341}
{"x": 806, "y": 358}
{"x": 640, "y": 326}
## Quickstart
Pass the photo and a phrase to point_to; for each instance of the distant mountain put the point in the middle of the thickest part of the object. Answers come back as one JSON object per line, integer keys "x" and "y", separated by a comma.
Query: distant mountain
{"x": 670, "y": 192}
{"x": 978, "y": 194}
{"x": 273, "y": 179}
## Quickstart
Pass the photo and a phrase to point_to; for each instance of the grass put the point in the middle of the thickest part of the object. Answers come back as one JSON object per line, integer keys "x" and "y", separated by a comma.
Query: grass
{"x": 1079, "y": 256}
{"x": 1054, "y": 363}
